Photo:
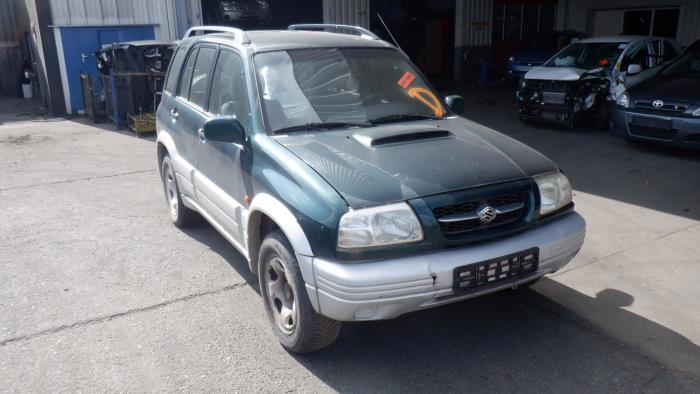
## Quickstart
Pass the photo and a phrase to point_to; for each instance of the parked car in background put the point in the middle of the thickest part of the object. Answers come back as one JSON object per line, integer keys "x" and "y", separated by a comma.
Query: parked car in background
{"x": 353, "y": 190}
{"x": 541, "y": 49}
{"x": 584, "y": 79}
{"x": 664, "y": 109}
{"x": 244, "y": 11}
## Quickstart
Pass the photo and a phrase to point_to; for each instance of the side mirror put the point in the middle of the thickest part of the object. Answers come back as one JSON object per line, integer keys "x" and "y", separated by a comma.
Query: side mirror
{"x": 634, "y": 69}
{"x": 224, "y": 129}
{"x": 455, "y": 103}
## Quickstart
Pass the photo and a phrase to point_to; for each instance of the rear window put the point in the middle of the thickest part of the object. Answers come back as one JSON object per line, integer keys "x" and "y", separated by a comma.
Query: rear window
{"x": 176, "y": 66}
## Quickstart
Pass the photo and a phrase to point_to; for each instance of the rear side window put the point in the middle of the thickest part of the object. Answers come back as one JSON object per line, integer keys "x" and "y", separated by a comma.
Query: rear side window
{"x": 200, "y": 76}
{"x": 176, "y": 66}
{"x": 186, "y": 77}
{"x": 228, "y": 95}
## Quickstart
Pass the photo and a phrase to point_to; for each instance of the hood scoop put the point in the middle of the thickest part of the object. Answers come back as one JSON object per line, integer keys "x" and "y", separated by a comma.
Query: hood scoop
{"x": 394, "y": 135}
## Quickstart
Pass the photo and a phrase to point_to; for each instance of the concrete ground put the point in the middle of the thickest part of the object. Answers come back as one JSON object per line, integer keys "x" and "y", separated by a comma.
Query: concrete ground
{"x": 101, "y": 293}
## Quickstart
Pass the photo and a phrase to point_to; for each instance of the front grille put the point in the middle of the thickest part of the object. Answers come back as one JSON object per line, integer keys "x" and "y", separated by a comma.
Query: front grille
{"x": 649, "y": 132}
{"x": 668, "y": 108}
{"x": 470, "y": 208}
{"x": 554, "y": 98}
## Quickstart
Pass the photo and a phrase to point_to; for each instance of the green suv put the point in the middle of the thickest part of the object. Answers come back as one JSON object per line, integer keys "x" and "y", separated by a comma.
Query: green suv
{"x": 354, "y": 191}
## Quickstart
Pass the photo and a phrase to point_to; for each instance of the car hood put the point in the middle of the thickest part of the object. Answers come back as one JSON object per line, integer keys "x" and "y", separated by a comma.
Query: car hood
{"x": 672, "y": 88}
{"x": 397, "y": 162}
{"x": 555, "y": 73}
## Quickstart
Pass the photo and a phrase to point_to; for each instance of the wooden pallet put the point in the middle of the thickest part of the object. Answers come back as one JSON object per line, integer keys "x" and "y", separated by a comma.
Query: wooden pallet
{"x": 144, "y": 123}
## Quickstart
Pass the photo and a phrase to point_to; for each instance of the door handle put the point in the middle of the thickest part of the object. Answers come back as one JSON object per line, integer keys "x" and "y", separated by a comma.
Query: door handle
{"x": 174, "y": 113}
{"x": 200, "y": 133}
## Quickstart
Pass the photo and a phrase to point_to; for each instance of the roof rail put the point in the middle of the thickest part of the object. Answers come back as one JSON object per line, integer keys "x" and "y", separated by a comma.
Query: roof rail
{"x": 238, "y": 34}
{"x": 357, "y": 30}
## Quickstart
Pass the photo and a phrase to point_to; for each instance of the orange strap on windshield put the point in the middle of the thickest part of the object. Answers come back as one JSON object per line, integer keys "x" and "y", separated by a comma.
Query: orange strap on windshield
{"x": 428, "y": 98}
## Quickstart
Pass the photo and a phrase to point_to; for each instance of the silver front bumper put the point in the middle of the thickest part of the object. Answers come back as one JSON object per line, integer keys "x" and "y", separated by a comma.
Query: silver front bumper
{"x": 386, "y": 289}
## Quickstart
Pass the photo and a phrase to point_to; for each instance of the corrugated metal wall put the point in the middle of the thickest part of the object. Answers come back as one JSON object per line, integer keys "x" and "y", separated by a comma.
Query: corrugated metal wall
{"x": 477, "y": 18}
{"x": 689, "y": 30}
{"x": 13, "y": 24}
{"x": 346, "y": 12}
{"x": 167, "y": 15}
{"x": 103, "y": 12}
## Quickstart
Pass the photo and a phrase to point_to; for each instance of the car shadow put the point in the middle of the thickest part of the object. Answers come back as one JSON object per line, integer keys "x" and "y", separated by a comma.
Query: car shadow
{"x": 504, "y": 342}
{"x": 111, "y": 127}
{"x": 205, "y": 234}
{"x": 512, "y": 339}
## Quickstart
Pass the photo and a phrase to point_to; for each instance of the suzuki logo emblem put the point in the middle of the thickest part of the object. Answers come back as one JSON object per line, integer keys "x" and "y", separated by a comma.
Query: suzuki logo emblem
{"x": 657, "y": 103}
{"x": 487, "y": 214}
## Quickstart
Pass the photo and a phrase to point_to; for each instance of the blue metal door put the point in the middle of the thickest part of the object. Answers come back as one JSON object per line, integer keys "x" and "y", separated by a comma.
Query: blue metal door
{"x": 79, "y": 44}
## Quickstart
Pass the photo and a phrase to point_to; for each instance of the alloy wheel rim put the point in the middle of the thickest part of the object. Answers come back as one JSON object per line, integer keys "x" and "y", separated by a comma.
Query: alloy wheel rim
{"x": 281, "y": 296}
{"x": 170, "y": 190}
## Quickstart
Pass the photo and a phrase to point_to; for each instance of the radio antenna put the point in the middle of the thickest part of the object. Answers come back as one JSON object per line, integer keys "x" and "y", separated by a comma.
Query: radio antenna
{"x": 389, "y": 31}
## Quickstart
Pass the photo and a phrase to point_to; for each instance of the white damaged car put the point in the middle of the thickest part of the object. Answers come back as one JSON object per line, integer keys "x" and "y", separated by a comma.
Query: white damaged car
{"x": 583, "y": 80}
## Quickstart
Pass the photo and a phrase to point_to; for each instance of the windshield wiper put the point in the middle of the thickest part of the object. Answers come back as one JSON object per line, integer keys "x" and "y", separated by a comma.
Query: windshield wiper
{"x": 400, "y": 117}
{"x": 319, "y": 126}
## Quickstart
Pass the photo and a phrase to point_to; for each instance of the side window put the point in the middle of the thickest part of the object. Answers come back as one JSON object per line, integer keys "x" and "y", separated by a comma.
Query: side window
{"x": 186, "y": 77}
{"x": 669, "y": 51}
{"x": 639, "y": 56}
{"x": 200, "y": 76}
{"x": 655, "y": 49}
{"x": 228, "y": 89}
{"x": 175, "y": 67}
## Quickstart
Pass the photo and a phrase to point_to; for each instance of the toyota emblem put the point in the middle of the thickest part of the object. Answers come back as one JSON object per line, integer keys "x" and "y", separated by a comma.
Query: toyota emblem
{"x": 657, "y": 103}
{"x": 487, "y": 214}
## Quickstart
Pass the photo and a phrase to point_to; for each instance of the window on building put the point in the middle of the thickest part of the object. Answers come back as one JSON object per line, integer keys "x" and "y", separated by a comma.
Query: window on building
{"x": 519, "y": 21}
{"x": 657, "y": 22}
{"x": 666, "y": 22}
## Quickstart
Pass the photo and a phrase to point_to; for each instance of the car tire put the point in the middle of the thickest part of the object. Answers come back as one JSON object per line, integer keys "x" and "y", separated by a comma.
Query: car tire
{"x": 180, "y": 215}
{"x": 294, "y": 321}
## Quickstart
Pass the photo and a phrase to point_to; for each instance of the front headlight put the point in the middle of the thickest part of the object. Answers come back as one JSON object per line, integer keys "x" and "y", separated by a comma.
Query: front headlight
{"x": 555, "y": 192}
{"x": 263, "y": 4}
{"x": 379, "y": 226}
{"x": 511, "y": 59}
{"x": 624, "y": 100}
{"x": 696, "y": 112}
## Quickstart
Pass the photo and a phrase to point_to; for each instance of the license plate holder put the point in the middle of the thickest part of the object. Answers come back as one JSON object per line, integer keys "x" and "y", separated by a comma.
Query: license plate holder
{"x": 496, "y": 271}
{"x": 652, "y": 123}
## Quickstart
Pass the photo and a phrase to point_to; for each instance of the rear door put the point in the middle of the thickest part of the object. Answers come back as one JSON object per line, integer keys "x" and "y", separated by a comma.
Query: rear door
{"x": 167, "y": 116}
{"x": 219, "y": 179}
{"x": 187, "y": 110}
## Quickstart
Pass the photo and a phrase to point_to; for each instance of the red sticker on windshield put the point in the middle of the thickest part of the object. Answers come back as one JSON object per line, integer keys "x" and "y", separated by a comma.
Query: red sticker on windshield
{"x": 406, "y": 80}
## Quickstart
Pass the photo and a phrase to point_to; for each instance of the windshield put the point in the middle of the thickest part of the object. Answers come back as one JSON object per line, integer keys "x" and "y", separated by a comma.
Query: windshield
{"x": 686, "y": 65}
{"x": 341, "y": 86}
{"x": 588, "y": 55}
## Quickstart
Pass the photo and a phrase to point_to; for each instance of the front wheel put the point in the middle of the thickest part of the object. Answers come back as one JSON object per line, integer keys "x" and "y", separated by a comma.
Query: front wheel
{"x": 295, "y": 323}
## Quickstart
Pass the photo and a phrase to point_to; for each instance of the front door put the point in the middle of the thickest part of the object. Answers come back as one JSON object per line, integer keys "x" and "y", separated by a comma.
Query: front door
{"x": 218, "y": 179}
